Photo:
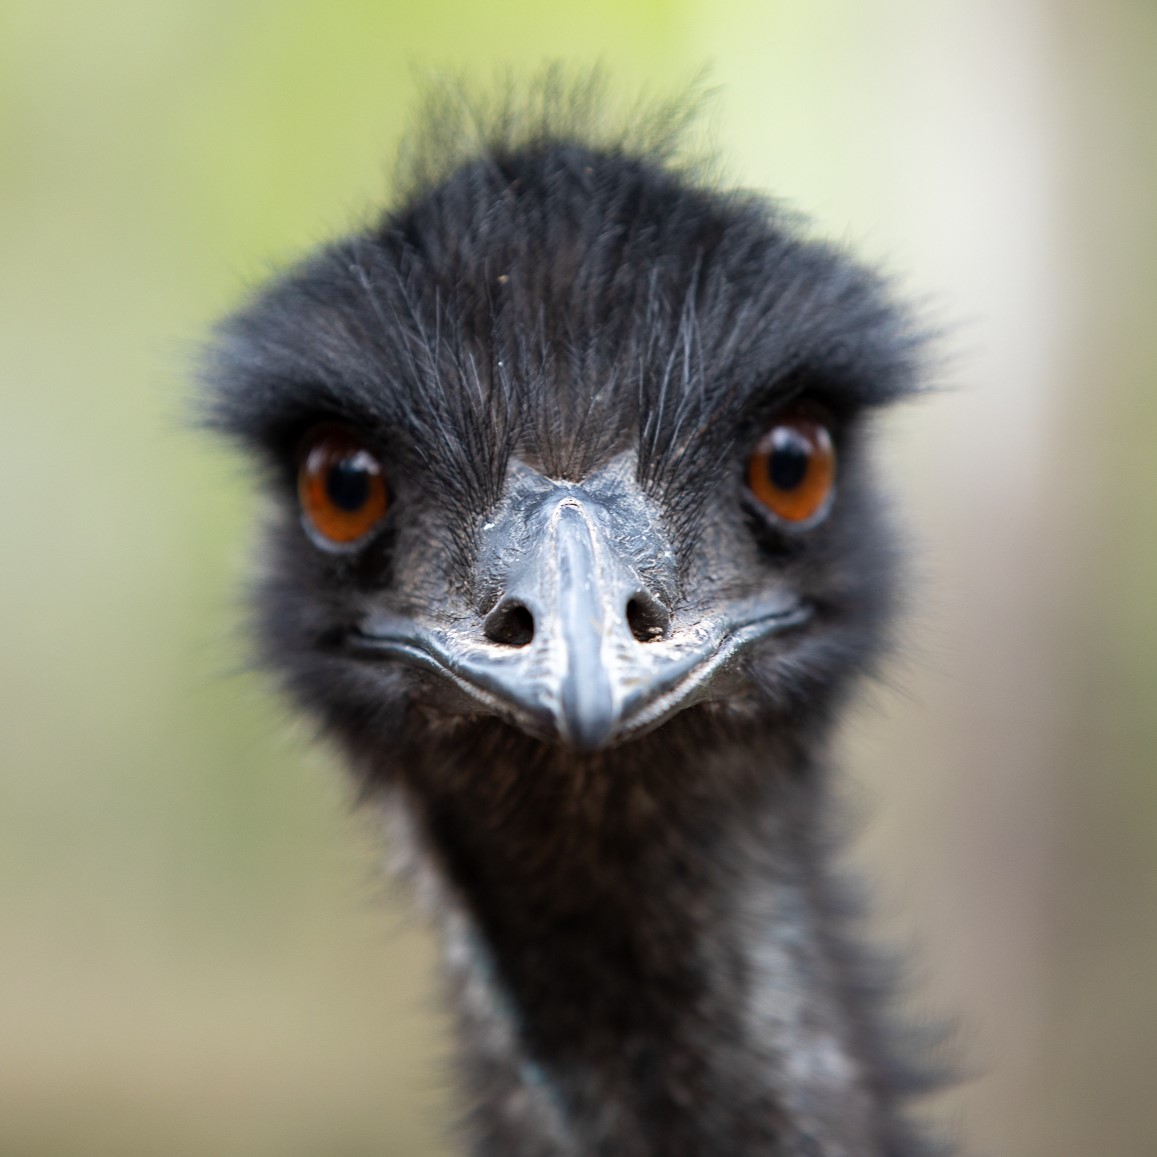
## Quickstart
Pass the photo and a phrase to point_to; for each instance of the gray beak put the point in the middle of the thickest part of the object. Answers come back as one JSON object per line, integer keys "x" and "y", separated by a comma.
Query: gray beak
{"x": 581, "y": 646}
{"x": 576, "y": 596}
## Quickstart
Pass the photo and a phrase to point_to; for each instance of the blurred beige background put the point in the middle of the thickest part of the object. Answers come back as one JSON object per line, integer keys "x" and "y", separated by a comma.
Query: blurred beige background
{"x": 198, "y": 954}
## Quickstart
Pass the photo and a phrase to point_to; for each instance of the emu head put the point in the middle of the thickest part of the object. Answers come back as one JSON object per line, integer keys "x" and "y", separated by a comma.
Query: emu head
{"x": 568, "y": 447}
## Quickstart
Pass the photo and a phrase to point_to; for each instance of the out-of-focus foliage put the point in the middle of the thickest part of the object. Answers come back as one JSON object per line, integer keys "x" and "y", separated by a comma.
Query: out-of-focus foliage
{"x": 197, "y": 951}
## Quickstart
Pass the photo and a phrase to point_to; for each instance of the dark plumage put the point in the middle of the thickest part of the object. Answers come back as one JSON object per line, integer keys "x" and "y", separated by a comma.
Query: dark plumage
{"x": 590, "y": 672}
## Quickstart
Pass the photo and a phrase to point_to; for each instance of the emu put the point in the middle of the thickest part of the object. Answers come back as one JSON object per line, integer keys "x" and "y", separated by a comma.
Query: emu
{"x": 575, "y": 552}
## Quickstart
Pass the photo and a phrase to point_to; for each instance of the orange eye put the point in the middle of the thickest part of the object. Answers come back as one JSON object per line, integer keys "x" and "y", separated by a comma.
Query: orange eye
{"x": 792, "y": 470}
{"x": 341, "y": 487}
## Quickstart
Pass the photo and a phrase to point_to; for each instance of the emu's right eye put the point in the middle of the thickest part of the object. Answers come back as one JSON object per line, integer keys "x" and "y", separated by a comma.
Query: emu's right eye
{"x": 341, "y": 487}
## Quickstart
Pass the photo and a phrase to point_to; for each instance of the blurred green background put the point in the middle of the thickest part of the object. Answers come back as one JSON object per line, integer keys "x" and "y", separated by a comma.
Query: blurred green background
{"x": 198, "y": 951}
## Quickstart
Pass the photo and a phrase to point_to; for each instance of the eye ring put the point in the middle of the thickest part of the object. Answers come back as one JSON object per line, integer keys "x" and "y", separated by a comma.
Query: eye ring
{"x": 341, "y": 488}
{"x": 792, "y": 470}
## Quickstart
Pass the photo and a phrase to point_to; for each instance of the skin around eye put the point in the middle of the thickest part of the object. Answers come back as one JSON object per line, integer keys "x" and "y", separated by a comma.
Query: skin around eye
{"x": 792, "y": 470}
{"x": 341, "y": 487}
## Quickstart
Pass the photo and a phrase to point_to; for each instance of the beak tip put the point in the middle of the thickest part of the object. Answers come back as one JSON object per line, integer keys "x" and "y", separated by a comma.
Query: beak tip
{"x": 588, "y": 726}
{"x": 589, "y": 736}
{"x": 587, "y": 715}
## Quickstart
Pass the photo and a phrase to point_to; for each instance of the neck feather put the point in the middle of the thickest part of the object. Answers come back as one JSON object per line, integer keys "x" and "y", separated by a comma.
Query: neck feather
{"x": 647, "y": 958}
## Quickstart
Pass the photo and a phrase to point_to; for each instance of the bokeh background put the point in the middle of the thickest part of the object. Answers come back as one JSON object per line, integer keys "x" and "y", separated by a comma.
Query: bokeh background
{"x": 198, "y": 952}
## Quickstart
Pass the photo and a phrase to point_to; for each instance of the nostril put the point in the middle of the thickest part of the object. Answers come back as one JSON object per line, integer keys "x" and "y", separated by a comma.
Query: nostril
{"x": 510, "y": 624}
{"x": 647, "y": 618}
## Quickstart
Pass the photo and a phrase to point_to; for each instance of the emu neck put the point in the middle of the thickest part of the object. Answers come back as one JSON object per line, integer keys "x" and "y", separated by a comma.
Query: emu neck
{"x": 644, "y": 962}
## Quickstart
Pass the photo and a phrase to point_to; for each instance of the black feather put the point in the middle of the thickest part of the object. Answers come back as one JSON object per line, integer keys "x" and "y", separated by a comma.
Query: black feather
{"x": 551, "y": 295}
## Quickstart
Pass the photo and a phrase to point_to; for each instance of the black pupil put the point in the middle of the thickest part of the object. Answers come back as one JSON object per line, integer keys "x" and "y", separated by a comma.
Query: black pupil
{"x": 347, "y": 484}
{"x": 789, "y": 460}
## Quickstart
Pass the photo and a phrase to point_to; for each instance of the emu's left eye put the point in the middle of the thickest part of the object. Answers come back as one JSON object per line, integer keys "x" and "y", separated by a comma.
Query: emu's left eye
{"x": 341, "y": 487}
{"x": 792, "y": 470}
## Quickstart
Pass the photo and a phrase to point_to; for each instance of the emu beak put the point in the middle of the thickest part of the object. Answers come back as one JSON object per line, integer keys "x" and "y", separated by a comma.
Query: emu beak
{"x": 581, "y": 647}
{"x": 565, "y": 609}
